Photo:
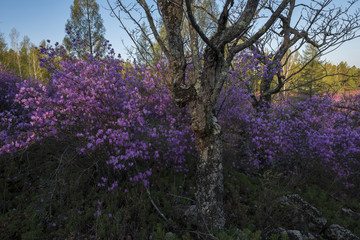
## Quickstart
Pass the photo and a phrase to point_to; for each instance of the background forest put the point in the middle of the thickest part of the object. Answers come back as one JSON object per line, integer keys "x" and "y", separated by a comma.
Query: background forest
{"x": 320, "y": 77}
{"x": 95, "y": 147}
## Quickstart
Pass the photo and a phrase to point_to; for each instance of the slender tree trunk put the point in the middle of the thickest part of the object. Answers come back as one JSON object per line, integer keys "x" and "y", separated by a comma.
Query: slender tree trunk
{"x": 194, "y": 46}
{"x": 265, "y": 100}
{"x": 89, "y": 28}
{"x": 35, "y": 72}
{"x": 18, "y": 61}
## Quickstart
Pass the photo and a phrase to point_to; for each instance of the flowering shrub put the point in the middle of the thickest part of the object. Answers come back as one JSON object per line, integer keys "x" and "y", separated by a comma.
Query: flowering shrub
{"x": 124, "y": 112}
{"x": 293, "y": 137}
{"x": 252, "y": 66}
{"x": 8, "y": 89}
{"x": 13, "y": 116}
{"x": 256, "y": 72}
{"x": 105, "y": 105}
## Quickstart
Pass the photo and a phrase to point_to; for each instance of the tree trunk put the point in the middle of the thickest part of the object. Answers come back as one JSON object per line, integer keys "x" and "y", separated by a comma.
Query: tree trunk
{"x": 209, "y": 181}
{"x": 209, "y": 172}
{"x": 264, "y": 100}
{"x": 89, "y": 28}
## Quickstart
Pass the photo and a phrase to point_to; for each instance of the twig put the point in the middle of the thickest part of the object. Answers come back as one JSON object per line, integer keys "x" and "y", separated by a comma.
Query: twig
{"x": 173, "y": 195}
{"x": 151, "y": 200}
{"x": 208, "y": 235}
{"x": 155, "y": 206}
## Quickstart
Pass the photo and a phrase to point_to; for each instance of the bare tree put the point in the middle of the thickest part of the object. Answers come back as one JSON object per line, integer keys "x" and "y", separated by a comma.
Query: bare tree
{"x": 322, "y": 24}
{"x": 201, "y": 95}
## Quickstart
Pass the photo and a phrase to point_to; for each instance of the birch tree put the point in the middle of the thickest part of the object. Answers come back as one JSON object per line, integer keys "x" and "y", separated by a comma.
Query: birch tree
{"x": 14, "y": 36}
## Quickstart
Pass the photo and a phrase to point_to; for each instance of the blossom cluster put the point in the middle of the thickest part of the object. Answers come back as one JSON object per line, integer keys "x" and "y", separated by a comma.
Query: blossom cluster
{"x": 294, "y": 136}
{"x": 14, "y": 118}
{"x": 250, "y": 66}
{"x": 104, "y": 105}
{"x": 123, "y": 111}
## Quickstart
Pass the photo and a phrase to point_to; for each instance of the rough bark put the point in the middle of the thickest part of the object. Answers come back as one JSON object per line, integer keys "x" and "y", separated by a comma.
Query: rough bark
{"x": 180, "y": 92}
{"x": 194, "y": 46}
{"x": 209, "y": 175}
{"x": 209, "y": 181}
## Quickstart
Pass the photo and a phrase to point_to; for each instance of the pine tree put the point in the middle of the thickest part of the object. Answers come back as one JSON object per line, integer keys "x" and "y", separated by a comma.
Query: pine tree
{"x": 85, "y": 30}
{"x": 310, "y": 79}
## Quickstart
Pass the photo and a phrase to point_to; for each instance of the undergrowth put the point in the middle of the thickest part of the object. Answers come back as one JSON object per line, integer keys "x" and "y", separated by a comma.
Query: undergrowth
{"x": 50, "y": 192}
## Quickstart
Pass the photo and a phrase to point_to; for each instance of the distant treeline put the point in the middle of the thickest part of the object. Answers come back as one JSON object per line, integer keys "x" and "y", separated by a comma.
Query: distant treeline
{"x": 21, "y": 58}
{"x": 316, "y": 77}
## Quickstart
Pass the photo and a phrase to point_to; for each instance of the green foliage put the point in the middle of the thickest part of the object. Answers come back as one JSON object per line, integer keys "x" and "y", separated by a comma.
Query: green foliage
{"x": 279, "y": 236}
{"x": 327, "y": 201}
{"x": 235, "y": 233}
{"x": 3, "y": 48}
{"x": 24, "y": 61}
{"x": 309, "y": 82}
{"x": 50, "y": 192}
{"x": 145, "y": 53}
{"x": 241, "y": 197}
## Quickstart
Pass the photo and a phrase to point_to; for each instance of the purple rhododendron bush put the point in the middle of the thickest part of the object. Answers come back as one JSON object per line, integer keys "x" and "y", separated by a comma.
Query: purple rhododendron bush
{"x": 116, "y": 115}
{"x": 115, "y": 122}
{"x": 293, "y": 137}
{"x": 103, "y": 105}
{"x": 297, "y": 138}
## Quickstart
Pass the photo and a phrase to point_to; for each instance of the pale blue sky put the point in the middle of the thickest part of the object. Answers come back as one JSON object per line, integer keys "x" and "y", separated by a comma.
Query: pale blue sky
{"x": 46, "y": 19}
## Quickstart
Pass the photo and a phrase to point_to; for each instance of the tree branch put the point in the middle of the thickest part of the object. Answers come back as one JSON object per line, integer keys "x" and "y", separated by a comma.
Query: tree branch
{"x": 124, "y": 27}
{"x": 198, "y": 29}
{"x": 241, "y": 25}
{"x": 144, "y": 5}
{"x": 259, "y": 33}
{"x": 224, "y": 16}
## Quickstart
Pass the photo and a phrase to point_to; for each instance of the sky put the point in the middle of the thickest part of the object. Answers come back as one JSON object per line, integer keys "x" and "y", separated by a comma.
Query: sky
{"x": 46, "y": 19}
